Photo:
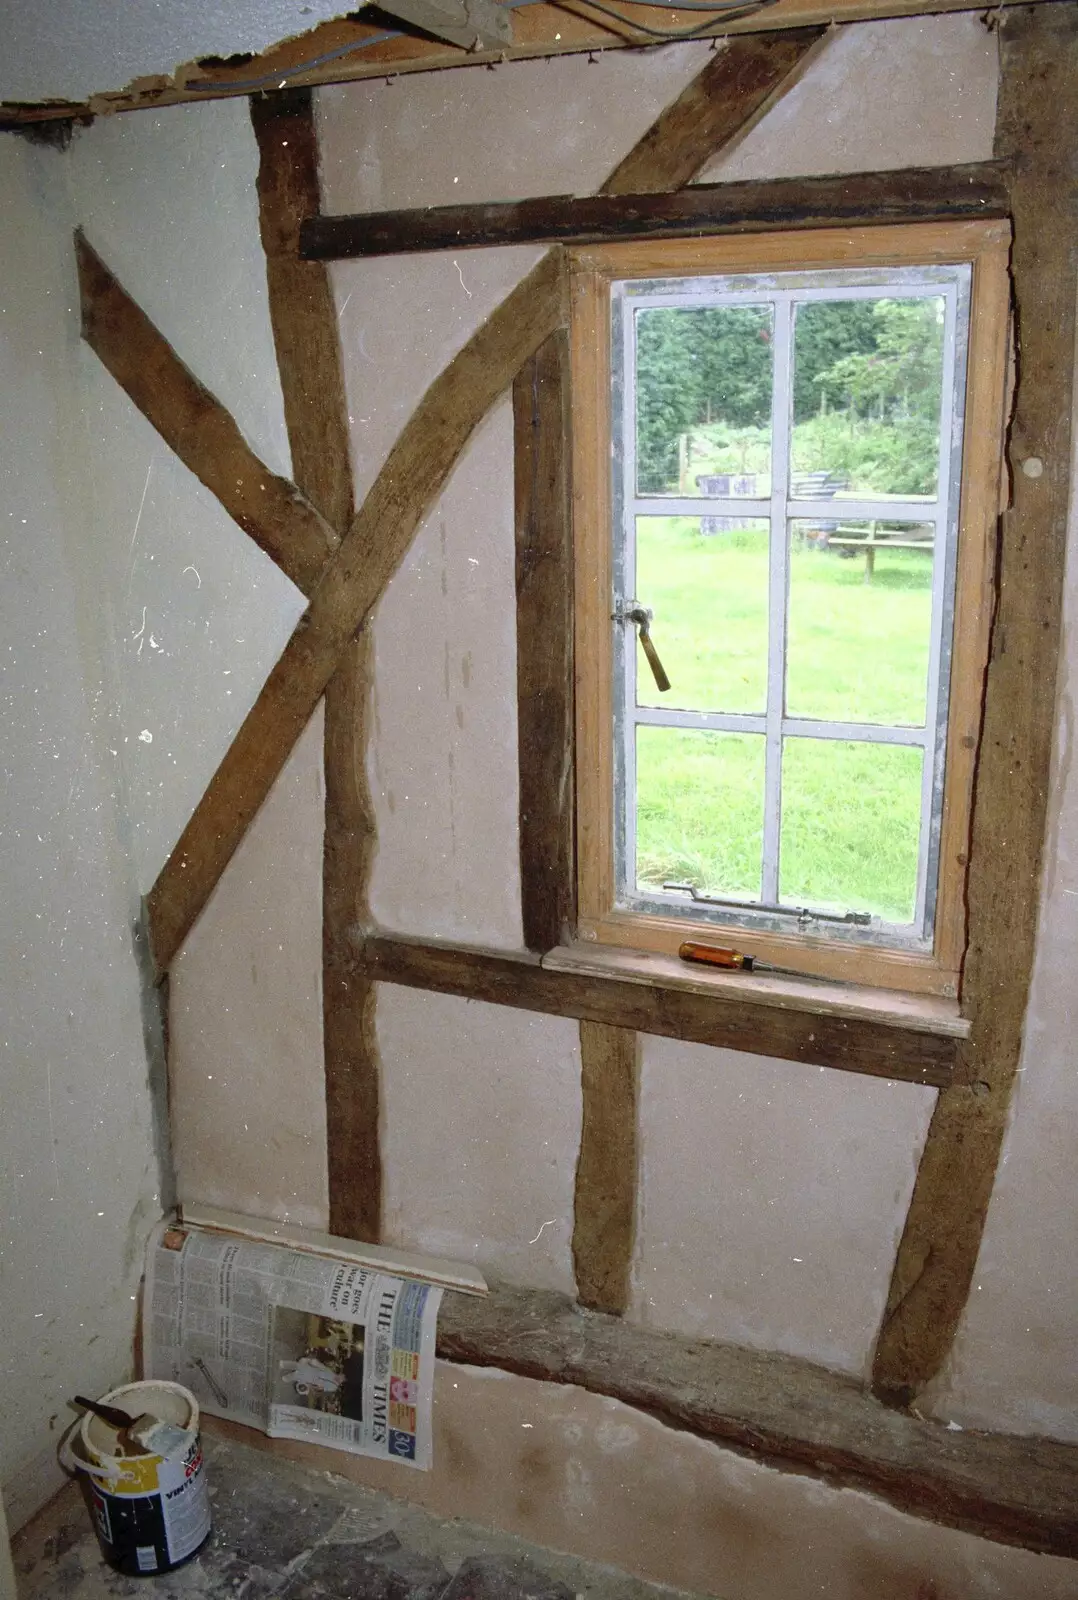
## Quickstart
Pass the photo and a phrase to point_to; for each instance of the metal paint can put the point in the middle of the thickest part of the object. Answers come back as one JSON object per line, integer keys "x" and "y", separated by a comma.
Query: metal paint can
{"x": 150, "y": 1511}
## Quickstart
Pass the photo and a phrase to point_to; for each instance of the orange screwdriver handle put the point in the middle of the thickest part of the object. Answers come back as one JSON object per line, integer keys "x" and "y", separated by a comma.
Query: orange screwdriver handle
{"x": 716, "y": 955}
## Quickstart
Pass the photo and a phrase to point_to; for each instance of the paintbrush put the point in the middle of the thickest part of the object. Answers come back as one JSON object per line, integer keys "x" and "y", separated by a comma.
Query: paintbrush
{"x": 149, "y": 1435}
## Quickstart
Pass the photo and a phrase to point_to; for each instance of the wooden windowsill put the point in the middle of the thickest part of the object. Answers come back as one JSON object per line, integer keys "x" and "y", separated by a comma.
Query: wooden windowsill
{"x": 918, "y": 1013}
{"x": 914, "y": 1038}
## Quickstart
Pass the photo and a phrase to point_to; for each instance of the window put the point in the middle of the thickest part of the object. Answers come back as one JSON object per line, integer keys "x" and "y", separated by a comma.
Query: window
{"x": 786, "y": 466}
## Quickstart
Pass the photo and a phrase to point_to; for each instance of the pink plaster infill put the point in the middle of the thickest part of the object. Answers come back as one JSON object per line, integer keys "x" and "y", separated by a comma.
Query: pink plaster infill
{"x": 772, "y": 1197}
{"x": 246, "y": 1082}
{"x": 930, "y": 83}
{"x": 588, "y": 1475}
{"x": 480, "y": 1131}
{"x": 442, "y": 759}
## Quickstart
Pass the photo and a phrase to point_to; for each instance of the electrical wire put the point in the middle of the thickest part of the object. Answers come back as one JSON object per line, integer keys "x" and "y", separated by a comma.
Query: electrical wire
{"x": 719, "y": 16}
{"x": 719, "y": 13}
{"x": 276, "y": 79}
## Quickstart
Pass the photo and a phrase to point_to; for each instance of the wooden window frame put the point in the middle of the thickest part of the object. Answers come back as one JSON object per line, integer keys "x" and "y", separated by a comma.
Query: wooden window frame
{"x": 985, "y": 246}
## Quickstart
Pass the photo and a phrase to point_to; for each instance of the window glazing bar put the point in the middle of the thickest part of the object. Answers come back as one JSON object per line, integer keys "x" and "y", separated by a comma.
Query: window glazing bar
{"x": 778, "y": 581}
{"x": 703, "y": 721}
{"x": 838, "y": 510}
{"x": 713, "y": 505}
{"x": 791, "y": 727}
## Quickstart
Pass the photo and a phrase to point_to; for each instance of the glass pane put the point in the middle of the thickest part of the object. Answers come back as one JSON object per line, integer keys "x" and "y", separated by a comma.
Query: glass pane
{"x": 860, "y": 619}
{"x": 705, "y": 579}
{"x": 850, "y": 827}
{"x": 868, "y": 388}
{"x": 700, "y": 810}
{"x": 703, "y": 400}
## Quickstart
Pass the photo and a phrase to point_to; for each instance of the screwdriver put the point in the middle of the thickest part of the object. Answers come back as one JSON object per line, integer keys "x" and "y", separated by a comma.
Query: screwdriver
{"x": 728, "y": 960}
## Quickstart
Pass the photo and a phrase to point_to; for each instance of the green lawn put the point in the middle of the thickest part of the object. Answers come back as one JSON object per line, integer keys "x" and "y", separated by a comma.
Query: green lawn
{"x": 856, "y": 651}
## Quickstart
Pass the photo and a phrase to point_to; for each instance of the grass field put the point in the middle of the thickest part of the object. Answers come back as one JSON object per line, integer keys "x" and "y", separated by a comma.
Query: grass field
{"x": 857, "y": 651}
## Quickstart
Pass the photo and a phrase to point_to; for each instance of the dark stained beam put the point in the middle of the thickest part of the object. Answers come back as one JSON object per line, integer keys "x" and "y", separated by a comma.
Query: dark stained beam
{"x": 916, "y": 194}
{"x": 544, "y": 586}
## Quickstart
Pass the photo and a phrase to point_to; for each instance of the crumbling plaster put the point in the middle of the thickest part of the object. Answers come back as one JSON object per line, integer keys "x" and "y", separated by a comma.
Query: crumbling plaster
{"x": 67, "y": 50}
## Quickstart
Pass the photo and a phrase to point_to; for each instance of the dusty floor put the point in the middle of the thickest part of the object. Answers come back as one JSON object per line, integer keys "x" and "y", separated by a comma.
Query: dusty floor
{"x": 284, "y": 1531}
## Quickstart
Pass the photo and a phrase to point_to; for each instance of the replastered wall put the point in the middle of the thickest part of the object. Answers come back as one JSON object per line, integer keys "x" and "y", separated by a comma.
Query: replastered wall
{"x": 139, "y": 623}
{"x": 771, "y": 1195}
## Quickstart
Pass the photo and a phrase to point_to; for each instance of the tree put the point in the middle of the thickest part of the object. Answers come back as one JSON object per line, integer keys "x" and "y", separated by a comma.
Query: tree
{"x": 696, "y": 365}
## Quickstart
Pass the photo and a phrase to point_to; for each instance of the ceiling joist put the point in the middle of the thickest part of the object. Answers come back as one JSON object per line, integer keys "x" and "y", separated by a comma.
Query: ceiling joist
{"x": 350, "y": 49}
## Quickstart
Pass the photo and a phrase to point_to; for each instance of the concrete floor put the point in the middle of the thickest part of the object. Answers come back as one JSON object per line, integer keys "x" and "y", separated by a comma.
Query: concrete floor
{"x": 286, "y": 1532}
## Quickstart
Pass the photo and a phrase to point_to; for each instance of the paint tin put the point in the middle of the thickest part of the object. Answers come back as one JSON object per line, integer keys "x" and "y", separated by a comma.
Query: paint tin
{"x": 151, "y": 1511}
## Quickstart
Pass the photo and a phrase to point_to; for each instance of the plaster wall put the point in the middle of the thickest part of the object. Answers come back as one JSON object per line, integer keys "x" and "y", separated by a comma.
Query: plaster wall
{"x": 585, "y": 1474}
{"x": 248, "y": 1102}
{"x": 772, "y": 1194}
{"x": 80, "y": 1146}
{"x": 771, "y": 1199}
{"x": 481, "y": 1125}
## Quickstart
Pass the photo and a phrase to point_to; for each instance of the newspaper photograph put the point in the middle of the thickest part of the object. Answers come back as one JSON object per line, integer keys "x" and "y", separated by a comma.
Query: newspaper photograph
{"x": 297, "y": 1344}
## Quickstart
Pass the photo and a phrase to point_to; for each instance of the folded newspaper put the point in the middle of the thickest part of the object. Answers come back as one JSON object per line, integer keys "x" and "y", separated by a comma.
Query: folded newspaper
{"x": 297, "y": 1344}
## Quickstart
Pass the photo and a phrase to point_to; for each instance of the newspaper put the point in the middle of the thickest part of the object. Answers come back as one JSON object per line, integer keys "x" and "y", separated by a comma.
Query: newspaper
{"x": 299, "y": 1345}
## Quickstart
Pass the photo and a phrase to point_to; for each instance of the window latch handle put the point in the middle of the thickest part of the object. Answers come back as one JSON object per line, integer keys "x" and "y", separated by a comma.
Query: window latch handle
{"x": 641, "y": 616}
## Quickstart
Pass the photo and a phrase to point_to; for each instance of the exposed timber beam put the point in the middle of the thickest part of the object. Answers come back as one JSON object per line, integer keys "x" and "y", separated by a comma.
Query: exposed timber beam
{"x": 352, "y": 48}
{"x": 716, "y": 110}
{"x": 195, "y": 424}
{"x": 382, "y": 531}
{"x": 642, "y": 995}
{"x": 779, "y": 1410}
{"x": 302, "y": 312}
{"x": 605, "y": 1194}
{"x": 544, "y": 587}
{"x": 353, "y": 580}
{"x": 917, "y": 194}
{"x": 1036, "y": 135}
{"x": 305, "y": 331}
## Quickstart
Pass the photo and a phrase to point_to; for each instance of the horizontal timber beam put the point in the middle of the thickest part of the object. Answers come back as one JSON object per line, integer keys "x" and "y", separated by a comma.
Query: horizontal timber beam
{"x": 351, "y": 48}
{"x": 778, "y": 1409}
{"x": 916, "y": 194}
{"x": 878, "y": 1048}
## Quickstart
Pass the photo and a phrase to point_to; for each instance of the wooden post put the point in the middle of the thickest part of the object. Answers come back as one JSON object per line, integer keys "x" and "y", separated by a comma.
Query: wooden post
{"x": 544, "y": 583}
{"x": 312, "y": 382}
{"x": 1037, "y": 133}
{"x": 604, "y": 1228}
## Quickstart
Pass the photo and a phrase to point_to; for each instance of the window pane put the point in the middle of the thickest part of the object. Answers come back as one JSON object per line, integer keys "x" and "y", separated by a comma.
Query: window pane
{"x": 708, "y": 592}
{"x": 850, "y": 826}
{"x": 703, "y": 400}
{"x": 860, "y": 621}
{"x": 699, "y": 810}
{"x": 868, "y": 388}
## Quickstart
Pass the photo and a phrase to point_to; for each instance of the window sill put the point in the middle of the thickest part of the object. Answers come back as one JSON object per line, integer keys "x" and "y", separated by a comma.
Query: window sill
{"x": 881, "y": 1033}
{"x": 930, "y": 1015}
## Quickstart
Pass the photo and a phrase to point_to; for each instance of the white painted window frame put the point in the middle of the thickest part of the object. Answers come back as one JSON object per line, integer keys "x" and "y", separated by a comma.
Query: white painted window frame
{"x": 784, "y": 291}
